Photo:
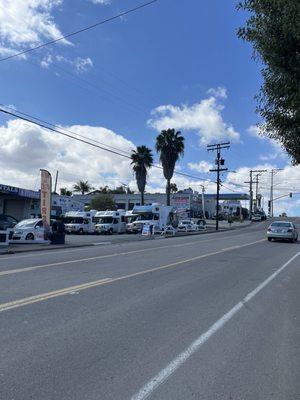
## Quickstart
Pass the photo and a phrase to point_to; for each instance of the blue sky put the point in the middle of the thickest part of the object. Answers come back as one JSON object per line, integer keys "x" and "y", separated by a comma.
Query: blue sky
{"x": 180, "y": 58}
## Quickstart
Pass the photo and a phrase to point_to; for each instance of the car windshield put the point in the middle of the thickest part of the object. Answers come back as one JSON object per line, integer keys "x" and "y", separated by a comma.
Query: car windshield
{"x": 106, "y": 220}
{"x": 145, "y": 217}
{"x": 281, "y": 225}
{"x": 130, "y": 218}
{"x": 73, "y": 220}
{"x": 27, "y": 223}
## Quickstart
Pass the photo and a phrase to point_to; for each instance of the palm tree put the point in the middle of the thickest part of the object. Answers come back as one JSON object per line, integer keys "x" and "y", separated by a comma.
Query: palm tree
{"x": 170, "y": 146}
{"x": 173, "y": 188}
{"x": 141, "y": 161}
{"x": 82, "y": 187}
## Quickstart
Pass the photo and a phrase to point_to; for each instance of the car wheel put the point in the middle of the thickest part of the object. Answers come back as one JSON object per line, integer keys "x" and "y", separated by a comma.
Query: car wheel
{"x": 80, "y": 231}
{"x": 29, "y": 236}
{"x": 270, "y": 239}
{"x": 111, "y": 231}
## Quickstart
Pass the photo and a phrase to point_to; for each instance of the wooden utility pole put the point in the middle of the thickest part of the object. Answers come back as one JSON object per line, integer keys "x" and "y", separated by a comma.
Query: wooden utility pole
{"x": 219, "y": 163}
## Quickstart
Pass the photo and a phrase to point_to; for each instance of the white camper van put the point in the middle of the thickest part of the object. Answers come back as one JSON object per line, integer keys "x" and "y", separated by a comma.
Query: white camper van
{"x": 79, "y": 222}
{"x": 109, "y": 222}
{"x": 130, "y": 217}
{"x": 157, "y": 215}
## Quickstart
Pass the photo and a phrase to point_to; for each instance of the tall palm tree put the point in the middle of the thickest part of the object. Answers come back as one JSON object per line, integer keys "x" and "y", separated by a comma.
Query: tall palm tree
{"x": 141, "y": 161}
{"x": 170, "y": 146}
{"x": 82, "y": 187}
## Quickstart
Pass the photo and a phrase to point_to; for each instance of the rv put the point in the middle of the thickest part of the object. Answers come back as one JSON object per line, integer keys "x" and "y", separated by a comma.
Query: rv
{"x": 109, "y": 222}
{"x": 79, "y": 222}
{"x": 156, "y": 215}
{"x": 130, "y": 217}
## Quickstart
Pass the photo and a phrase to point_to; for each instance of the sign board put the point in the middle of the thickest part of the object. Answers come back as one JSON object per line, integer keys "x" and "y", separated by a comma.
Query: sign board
{"x": 46, "y": 188}
{"x": 147, "y": 230}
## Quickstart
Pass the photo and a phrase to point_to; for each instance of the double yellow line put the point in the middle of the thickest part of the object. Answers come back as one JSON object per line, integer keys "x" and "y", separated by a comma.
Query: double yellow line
{"x": 78, "y": 288}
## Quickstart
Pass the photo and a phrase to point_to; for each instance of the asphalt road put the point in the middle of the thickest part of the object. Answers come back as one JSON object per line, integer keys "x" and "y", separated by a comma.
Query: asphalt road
{"x": 201, "y": 317}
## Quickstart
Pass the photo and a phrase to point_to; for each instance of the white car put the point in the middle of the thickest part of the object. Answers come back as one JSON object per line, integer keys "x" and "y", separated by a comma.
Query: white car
{"x": 187, "y": 226}
{"x": 256, "y": 217}
{"x": 29, "y": 229}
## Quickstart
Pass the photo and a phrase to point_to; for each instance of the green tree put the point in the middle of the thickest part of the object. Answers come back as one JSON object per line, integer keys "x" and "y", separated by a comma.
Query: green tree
{"x": 65, "y": 192}
{"x": 141, "y": 161}
{"x": 173, "y": 188}
{"x": 102, "y": 202}
{"x": 82, "y": 187}
{"x": 170, "y": 147}
{"x": 273, "y": 28}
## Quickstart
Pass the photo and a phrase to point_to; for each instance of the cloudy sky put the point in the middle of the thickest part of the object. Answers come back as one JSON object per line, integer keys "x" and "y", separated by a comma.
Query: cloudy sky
{"x": 173, "y": 64}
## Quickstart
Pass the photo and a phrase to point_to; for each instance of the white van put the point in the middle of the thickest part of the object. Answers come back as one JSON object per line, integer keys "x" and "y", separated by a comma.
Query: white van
{"x": 156, "y": 215}
{"x": 79, "y": 222}
{"x": 109, "y": 222}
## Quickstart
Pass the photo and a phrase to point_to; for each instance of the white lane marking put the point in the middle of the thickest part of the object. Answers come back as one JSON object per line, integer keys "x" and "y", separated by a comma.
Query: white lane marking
{"x": 88, "y": 285}
{"x": 165, "y": 373}
{"x": 35, "y": 267}
{"x": 88, "y": 246}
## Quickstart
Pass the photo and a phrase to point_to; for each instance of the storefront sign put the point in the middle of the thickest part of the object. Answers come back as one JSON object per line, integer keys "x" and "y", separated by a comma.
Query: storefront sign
{"x": 8, "y": 189}
{"x": 46, "y": 188}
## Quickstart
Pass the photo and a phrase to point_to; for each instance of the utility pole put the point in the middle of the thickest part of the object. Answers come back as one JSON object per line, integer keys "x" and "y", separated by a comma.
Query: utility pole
{"x": 56, "y": 178}
{"x": 219, "y": 163}
{"x": 273, "y": 172}
{"x": 258, "y": 171}
{"x": 203, "y": 204}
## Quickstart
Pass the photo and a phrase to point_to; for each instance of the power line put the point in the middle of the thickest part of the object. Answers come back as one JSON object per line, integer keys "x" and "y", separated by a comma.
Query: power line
{"x": 120, "y": 15}
{"x": 83, "y": 139}
{"x": 66, "y": 130}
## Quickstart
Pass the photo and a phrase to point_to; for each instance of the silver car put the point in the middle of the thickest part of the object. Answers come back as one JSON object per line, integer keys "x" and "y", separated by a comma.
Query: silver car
{"x": 282, "y": 230}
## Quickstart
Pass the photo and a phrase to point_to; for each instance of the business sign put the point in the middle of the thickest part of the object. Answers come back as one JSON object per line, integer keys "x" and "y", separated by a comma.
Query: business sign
{"x": 8, "y": 189}
{"x": 180, "y": 202}
{"x": 46, "y": 188}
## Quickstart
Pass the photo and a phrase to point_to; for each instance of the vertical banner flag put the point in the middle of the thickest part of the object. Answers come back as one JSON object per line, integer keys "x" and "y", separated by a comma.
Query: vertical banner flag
{"x": 46, "y": 188}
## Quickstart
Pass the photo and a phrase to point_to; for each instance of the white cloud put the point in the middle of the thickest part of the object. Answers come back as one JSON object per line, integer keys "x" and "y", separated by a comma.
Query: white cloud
{"x": 285, "y": 181}
{"x": 82, "y": 64}
{"x": 25, "y": 148}
{"x": 102, "y": 2}
{"x": 218, "y": 92}
{"x": 47, "y": 61}
{"x": 204, "y": 117}
{"x": 276, "y": 150}
{"x": 25, "y": 23}
{"x": 202, "y": 166}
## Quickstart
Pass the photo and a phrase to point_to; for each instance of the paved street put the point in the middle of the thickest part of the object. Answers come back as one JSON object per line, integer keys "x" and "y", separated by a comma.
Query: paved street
{"x": 202, "y": 317}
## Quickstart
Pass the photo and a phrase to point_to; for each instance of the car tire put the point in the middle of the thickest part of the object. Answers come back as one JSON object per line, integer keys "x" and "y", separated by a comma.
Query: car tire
{"x": 80, "y": 231}
{"x": 29, "y": 236}
{"x": 270, "y": 239}
{"x": 111, "y": 231}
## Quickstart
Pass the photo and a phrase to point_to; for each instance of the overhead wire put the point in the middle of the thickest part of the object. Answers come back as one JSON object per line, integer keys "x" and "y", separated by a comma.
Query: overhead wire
{"x": 63, "y": 37}
{"x": 54, "y": 128}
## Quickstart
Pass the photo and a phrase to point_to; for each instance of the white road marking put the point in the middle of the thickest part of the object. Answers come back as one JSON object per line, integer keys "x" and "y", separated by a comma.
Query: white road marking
{"x": 61, "y": 263}
{"x": 165, "y": 373}
{"x": 45, "y": 296}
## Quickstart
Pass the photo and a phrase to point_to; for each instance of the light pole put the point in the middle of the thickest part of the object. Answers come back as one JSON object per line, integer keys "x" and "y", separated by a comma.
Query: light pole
{"x": 203, "y": 204}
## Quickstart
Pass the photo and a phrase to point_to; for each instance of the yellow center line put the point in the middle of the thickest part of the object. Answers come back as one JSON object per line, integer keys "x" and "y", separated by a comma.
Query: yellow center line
{"x": 62, "y": 292}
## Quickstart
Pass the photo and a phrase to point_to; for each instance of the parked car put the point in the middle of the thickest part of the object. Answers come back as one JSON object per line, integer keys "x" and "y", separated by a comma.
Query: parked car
{"x": 7, "y": 222}
{"x": 256, "y": 217}
{"x": 29, "y": 229}
{"x": 187, "y": 226}
{"x": 201, "y": 224}
{"x": 284, "y": 230}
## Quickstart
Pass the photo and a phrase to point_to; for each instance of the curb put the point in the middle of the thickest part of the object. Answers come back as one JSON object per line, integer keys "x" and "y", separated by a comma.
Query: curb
{"x": 183, "y": 234}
